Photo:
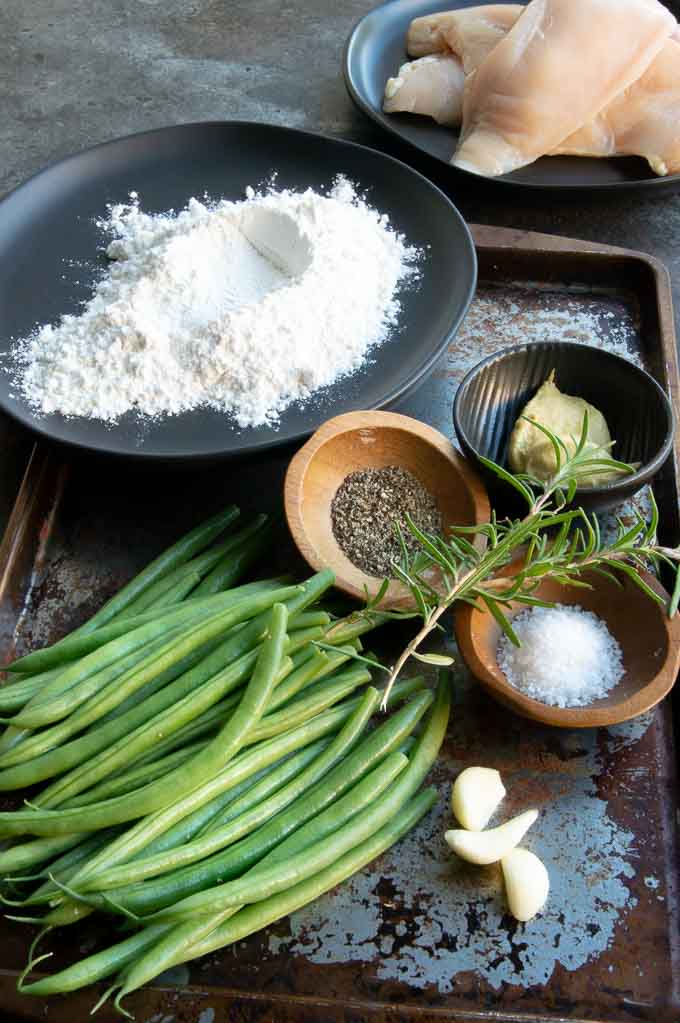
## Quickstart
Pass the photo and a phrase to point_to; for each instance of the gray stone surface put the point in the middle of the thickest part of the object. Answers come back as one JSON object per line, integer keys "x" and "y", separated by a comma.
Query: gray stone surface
{"x": 77, "y": 72}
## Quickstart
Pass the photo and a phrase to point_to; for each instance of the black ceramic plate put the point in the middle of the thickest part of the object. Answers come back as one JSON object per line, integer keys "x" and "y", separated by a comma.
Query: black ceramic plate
{"x": 50, "y": 246}
{"x": 375, "y": 50}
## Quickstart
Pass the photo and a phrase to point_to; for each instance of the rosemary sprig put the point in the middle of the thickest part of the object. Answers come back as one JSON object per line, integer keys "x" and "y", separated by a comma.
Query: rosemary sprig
{"x": 558, "y": 542}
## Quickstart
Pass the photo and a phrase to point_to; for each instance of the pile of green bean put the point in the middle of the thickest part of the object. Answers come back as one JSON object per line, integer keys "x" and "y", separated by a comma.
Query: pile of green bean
{"x": 210, "y": 758}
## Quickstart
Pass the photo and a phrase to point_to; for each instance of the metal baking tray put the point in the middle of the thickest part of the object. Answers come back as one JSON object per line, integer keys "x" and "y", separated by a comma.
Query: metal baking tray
{"x": 416, "y": 936}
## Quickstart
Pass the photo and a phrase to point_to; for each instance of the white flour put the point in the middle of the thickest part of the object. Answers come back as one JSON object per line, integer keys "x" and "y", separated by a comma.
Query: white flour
{"x": 244, "y": 307}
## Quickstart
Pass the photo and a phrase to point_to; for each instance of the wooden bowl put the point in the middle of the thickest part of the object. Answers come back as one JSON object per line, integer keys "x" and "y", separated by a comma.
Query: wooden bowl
{"x": 649, "y": 640}
{"x": 360, "y": 440}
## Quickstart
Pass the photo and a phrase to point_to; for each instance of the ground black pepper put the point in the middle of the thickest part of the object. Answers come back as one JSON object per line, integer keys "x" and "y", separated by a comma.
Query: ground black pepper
{"x": 366, "y": 506}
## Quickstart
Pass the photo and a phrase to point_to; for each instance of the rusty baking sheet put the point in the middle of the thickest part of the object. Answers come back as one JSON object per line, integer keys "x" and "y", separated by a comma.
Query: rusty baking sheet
{"x": 417, "y": 936}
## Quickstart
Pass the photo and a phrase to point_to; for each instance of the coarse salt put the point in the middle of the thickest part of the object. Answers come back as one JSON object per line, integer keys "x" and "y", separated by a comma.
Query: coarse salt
{"x": 567, "y": 657}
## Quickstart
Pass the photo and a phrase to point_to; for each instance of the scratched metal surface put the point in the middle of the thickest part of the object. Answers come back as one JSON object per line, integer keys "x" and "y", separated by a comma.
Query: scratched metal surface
{"x": 417, "y": 932}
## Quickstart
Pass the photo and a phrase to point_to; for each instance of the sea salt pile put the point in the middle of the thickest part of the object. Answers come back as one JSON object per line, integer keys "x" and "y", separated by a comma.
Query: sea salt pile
{"x": 567, "y": 657}
{"x": 244, "y": 307}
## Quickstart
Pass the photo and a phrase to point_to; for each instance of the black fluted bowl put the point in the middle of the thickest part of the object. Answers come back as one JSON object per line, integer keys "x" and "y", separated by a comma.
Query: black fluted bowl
{"x": 637, "y": 410}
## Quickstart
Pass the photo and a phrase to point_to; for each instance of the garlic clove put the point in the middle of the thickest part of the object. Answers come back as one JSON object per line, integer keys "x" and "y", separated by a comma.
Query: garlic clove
{"x": 476, "y": 793}
{"x": 490, "y": 846}
{"x": 526, "y": 883}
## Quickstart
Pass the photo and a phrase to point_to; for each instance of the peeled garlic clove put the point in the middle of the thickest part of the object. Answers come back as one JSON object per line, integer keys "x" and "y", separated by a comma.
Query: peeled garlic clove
{"x": 526, "y": 883}
{"x": 476, "y": 793}
{"x": 490, "y": 846}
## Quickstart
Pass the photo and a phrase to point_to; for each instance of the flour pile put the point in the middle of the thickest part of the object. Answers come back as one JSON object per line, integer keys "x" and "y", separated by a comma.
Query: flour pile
{"x": 244, "y": 307}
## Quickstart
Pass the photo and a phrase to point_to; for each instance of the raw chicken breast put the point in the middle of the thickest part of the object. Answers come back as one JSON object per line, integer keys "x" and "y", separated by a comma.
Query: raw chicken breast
{"x": 455, "y": 42}
{"x": 560, "y": 64}
{"x": 644, "y": 120}
{"x": 470, "y": 33}
{"x": 432, "y": 85}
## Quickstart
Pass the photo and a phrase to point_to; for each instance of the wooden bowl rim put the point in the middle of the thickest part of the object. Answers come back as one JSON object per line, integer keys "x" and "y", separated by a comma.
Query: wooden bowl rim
{"x": 349, "y": 422}
{"x": 648, "y": 696}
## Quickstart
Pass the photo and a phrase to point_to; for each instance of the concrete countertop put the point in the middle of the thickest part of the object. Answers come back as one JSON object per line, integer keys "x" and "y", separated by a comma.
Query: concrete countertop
{"x": 77, "y": 72}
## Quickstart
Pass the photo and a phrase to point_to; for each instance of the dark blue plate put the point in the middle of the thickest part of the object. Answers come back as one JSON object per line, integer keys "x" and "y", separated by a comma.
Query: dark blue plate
{"x": 375, "y": 50}
{"x": 50, "y": 247}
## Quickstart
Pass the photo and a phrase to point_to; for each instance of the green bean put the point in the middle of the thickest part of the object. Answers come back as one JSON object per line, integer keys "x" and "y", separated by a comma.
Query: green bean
{"x": 95, "y": 967}
{"x": 238, "y": 827}
{"x": 309, "y": 665}
{"x": 15, "y": 694}
{"x": 236, "y": 798}
{"x": 186, "y": 827}
{"x": 188, "y": 776}
{"x": 305, "y": 620}
{"x": 247, "y": 713}
{"x": 107, "y": 962}
{"x": 12, "y": 736}
{"x": 160, "y": 793}
{"x": 75, "y": 854}
{"x": 162, "y": 681}
{"x": 147, "y": 734}
{"x": 128, "y": 781}
{"x": 74, "y": 646}
{"x": 261, "y": 883}
{"x": 254, "y": 917}
{"x": 152, "y": 895}
{"x": 306, "y": 663}
{"x": 169, "y": 590}
{"x": 214, "y": 717}
{"x": 66, "y": 866}
{"x": 309, "y": 620}
{"x": 237, "y": 820}
{"x": 28, "y": 854}
{"x": 180, "y": 644}
{"x": 15, "y": 753}
{"x": 101, "y": 663}
{"x": 86, "y": 746}
{"x": 203, "y": 729}
{"x": 242, "y": 815}
{"x": 247, "y": 764}
{"x": 234, "y": 564}
{"x": 204, "y": 723}
{"x": 326, "y": 823}
{"x": 201, "y": 565}
{"x": 177, "y": 554}
{"x": 313, "y": 701}
{"x": 174, "y": 594}
{"x": 211, "y": 718}
{"x": 346, "y": 629}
